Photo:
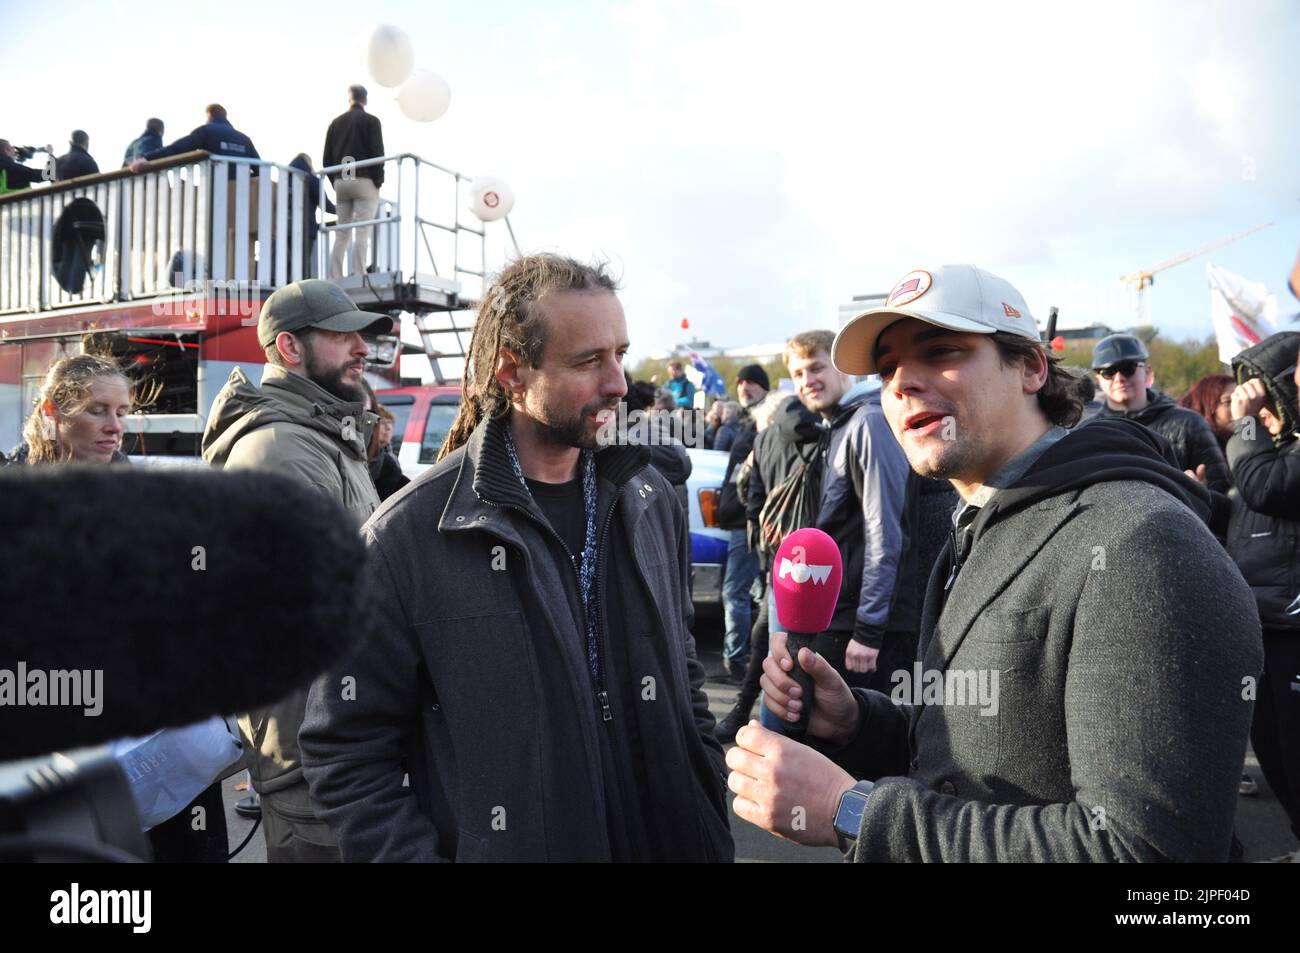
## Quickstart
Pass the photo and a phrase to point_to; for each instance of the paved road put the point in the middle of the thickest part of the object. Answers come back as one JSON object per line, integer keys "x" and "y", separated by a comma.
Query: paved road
{"x": 1261, "y": 822}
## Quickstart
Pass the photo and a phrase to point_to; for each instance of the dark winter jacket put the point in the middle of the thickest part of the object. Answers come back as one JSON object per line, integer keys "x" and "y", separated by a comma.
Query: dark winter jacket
{"x": 387, "y": 474}
{"x": 726, "y": 435}
{"x": 359, "y": 135}
{"x": 668, "y": 455}
{"x": 18, "y": 176}
{"x": 1273, "y": 362}
{"x": 218, "y": 137}
{"x": 1264, "y": 527}
{"x": 731, "y": 512}
{"x": 478, "y": 685}
{"x": 141, "y": 146}
{"x": 795, "y": 434}
{"x": 75, "y": 163}
{"x": 1121, "y": 634}
{"x": 313, "y": 196}
{"x": 1187, "y": 431}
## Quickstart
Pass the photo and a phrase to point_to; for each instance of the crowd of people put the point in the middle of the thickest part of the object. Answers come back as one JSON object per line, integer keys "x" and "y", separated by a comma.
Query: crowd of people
{"x": 1125, "y": 583}
{"x": 351, "y": 138}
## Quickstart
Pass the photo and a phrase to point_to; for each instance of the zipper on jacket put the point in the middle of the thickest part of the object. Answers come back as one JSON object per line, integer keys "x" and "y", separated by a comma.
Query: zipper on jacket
{"x": 956, "y": 560}
{"x": 602, "y": 696}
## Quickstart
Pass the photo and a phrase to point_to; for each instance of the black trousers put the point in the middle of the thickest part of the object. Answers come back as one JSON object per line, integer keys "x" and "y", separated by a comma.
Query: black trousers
{"x": 1275, "y": 731}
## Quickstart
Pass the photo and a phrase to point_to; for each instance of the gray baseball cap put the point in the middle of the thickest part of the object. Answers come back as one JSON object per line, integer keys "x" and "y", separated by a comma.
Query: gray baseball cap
{"x": 315, "y": 303}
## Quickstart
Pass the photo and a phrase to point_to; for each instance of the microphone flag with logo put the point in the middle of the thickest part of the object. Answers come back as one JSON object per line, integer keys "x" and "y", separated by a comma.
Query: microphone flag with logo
{"x": 806, "y": 576}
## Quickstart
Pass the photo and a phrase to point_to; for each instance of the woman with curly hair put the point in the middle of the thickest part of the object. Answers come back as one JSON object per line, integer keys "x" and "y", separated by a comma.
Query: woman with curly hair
{"x": 80, "y": 414}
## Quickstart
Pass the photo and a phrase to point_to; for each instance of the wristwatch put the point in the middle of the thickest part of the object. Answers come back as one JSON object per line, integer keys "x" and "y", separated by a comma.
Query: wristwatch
{"x": 848, "y": 816}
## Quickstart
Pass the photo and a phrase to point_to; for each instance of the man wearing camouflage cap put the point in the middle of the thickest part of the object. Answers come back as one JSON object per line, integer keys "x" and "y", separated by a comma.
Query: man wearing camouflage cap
{"x": 307, "y": 420}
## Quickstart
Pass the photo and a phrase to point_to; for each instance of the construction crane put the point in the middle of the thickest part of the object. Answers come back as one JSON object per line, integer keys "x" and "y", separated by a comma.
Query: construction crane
{"x": 1143, "y": 278}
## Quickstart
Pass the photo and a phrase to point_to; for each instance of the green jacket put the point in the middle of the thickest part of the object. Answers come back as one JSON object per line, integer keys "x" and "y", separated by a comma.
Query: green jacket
{"x": 295, "y": 427}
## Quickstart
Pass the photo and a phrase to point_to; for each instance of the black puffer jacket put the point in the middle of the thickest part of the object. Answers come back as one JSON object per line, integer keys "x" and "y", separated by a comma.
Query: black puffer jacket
{"x": 1192, "y": 439}
{"x": 1264, "y": 528}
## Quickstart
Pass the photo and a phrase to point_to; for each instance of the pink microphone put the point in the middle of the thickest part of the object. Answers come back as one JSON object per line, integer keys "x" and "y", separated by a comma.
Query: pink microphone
{"x": 806, "y": 583}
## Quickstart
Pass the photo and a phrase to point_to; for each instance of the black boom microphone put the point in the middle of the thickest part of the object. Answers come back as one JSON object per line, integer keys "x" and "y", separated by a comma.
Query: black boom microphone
{"x": 190, "y": 592}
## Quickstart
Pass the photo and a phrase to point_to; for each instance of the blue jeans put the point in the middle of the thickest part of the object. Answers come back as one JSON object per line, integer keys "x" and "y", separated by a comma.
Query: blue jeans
{"x": 738, "y": 577}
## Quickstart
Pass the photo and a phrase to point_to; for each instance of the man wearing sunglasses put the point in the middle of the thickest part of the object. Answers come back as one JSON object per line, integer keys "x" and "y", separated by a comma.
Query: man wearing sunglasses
{"x": 1124, "y": 377}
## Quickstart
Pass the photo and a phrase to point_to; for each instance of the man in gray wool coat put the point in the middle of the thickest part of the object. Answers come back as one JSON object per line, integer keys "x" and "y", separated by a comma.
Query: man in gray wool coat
{"x": 1088, "y": 651}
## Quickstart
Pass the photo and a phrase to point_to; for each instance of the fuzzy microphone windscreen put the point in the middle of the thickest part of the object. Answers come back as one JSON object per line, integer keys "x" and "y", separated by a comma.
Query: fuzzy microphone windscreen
{"x": 133, "y": 599}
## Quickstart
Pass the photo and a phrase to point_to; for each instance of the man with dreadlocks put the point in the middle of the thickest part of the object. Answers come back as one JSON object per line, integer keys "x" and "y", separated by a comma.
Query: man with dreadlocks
{"x": 533, "y": 672}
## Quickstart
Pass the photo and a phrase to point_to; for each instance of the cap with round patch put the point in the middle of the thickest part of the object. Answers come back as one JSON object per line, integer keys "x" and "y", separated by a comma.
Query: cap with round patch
{"x": 910, "y": 287}
{"x": 957, "y": 297}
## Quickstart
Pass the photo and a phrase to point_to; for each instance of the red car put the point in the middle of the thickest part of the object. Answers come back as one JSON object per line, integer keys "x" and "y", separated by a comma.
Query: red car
{"x": 424, "y": 415}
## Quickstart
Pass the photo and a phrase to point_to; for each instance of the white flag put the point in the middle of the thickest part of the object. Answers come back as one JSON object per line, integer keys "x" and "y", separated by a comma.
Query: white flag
{"x": 1243, "y": 312}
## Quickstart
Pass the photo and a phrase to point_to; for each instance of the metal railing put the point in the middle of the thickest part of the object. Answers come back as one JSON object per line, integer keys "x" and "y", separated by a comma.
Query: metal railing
{"x": 419, "y": 233}
{"x": 199, "y": 218}
{"x": 192, "y": 219}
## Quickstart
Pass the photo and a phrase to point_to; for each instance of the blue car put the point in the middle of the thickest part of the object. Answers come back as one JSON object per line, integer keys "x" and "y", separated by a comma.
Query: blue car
{"x": 708, "y": 541}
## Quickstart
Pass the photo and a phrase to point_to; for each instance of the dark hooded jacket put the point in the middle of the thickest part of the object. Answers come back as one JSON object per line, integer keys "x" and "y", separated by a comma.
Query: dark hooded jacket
{"x": 477, "y": 684}
{"x": 1120, "y": 633}
{"x": 1264, "y": 526}
{"x": 795, "y": 434}
{"x": 1188, "y": 433}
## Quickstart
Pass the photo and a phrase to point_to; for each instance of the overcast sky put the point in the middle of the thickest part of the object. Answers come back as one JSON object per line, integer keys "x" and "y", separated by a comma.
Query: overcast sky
{"x": 751, "y": 166}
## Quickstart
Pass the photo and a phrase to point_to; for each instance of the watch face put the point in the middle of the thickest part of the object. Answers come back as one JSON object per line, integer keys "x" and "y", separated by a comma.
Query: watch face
{"x": 848, "y": 819}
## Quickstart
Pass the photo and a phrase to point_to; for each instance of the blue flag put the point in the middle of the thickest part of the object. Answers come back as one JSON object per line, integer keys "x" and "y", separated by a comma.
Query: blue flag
{"x": 713, "y": 385}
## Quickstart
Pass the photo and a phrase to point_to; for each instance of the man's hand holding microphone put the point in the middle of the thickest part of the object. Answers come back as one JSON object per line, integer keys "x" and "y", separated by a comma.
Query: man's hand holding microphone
{"x": 781, "y": 784}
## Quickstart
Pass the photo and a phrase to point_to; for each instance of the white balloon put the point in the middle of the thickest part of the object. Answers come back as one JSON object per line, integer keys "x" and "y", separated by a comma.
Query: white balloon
{"x": 424, "y": 97}
{"x": 490, "y": 198}
{"x": 389, "y": 56}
